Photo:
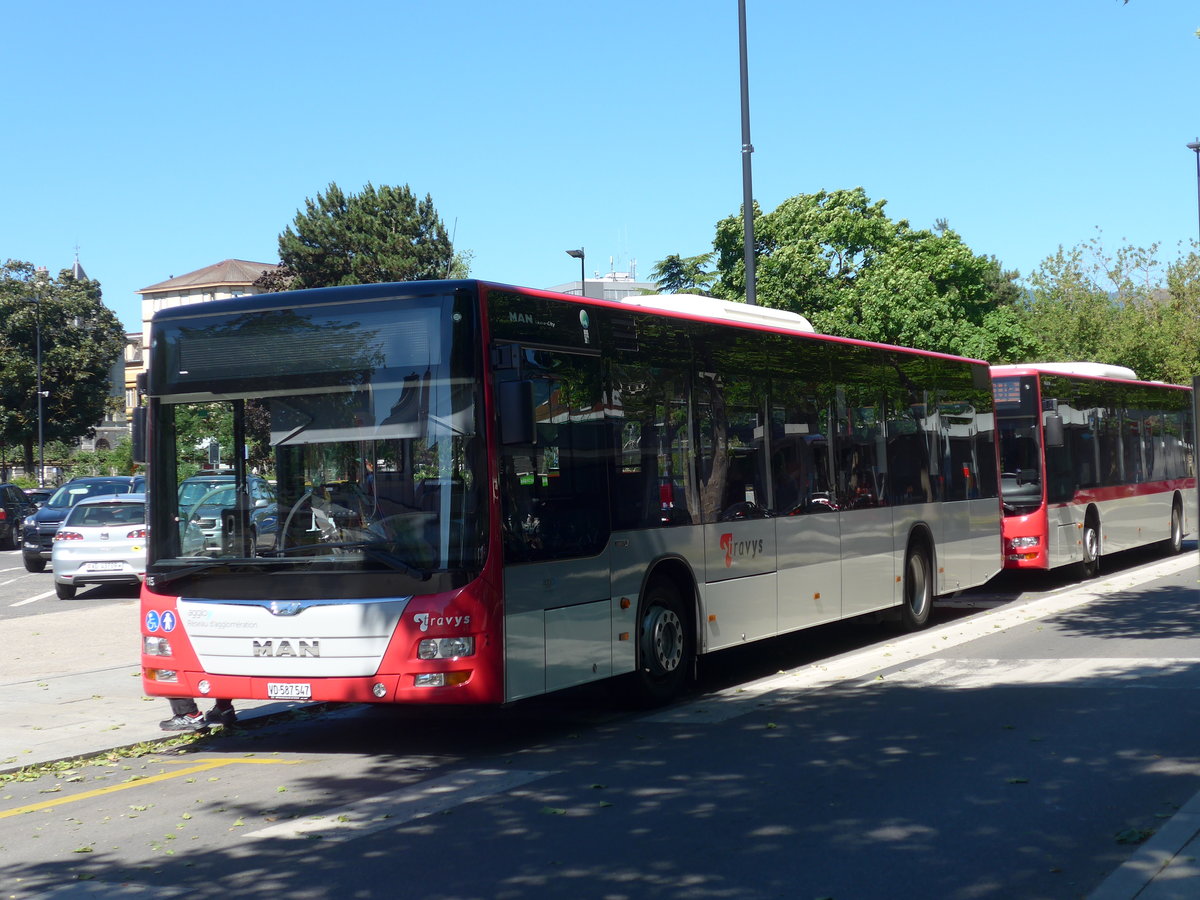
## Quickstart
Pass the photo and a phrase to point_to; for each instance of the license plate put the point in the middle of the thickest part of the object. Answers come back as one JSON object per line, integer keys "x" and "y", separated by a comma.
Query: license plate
{"x": 276, "y": 691}
{"x": 105, "y": 567}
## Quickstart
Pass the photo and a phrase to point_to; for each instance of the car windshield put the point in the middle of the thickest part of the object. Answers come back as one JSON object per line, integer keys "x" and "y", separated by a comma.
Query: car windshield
{"x": 74, "y": 491}
{"x": 193, "y": 490}
{"x": 107, "y": 514}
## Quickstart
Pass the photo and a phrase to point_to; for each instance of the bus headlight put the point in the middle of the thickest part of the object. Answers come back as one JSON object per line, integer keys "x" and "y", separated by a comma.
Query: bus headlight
{"x": 446, "y": 648}
{"x": 156, "y": 646}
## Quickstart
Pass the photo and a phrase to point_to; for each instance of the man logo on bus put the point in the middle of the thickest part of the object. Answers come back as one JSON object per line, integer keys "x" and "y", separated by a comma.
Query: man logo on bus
{"x": 739, "y": 549}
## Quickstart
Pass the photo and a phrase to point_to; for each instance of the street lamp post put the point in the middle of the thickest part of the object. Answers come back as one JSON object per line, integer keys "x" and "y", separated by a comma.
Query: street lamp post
{"x": 747, "y": 149}
{"x": 1195, "y": 145}
{"x": 578, "y": 254}
{"x": 37, "y": 309}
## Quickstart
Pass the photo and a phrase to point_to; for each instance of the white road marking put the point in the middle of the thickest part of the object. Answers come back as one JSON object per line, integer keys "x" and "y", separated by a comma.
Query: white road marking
{"x": 389, "y": 810}
{"x": 32, "y": 599}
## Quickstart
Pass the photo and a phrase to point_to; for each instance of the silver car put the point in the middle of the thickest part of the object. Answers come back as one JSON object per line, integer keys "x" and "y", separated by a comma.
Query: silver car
{"x": 101, "y": 541}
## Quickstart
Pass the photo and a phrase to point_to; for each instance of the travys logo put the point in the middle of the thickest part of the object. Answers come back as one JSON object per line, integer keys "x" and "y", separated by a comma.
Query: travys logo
{"x": 735, "y": 550}
{"x": 425, "y": 620}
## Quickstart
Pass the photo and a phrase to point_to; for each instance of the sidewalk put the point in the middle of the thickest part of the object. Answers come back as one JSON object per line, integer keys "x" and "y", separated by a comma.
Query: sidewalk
{"x": 70, "y": 686}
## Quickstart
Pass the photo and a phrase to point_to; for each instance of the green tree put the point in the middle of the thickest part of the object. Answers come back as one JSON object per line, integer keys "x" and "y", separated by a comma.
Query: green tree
{"x": 1123, "y": 307}
{"x": 81, "y": 339}
{"x": 838, "y": 259}
{"x": 381, "y": 234}
{"x": 684, "y": 274}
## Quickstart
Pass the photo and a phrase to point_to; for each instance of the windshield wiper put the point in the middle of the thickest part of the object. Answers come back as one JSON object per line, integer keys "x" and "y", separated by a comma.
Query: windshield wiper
{"x": 372, "y": 549}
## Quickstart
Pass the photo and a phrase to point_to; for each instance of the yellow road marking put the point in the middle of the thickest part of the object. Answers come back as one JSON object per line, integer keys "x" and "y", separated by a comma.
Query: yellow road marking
{"x": 204, "y": 766}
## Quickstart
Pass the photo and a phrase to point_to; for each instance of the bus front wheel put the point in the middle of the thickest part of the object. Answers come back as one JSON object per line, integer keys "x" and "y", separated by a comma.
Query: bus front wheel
{"x": 666, "y": 645}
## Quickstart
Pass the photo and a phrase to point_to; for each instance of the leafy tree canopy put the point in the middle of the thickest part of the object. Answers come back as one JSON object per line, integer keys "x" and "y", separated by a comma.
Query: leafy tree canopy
{"x": 1123, "y": 307}
{"x": 381, "y": 234}
{"x": 838, "y": 259}
{"x": 684, "y": 274}
{"x": 81, "y": 340}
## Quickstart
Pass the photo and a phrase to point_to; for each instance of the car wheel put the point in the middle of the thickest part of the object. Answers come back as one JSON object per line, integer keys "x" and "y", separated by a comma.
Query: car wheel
{"x": 34, "y": 563}
{"x": 64, "y": 591}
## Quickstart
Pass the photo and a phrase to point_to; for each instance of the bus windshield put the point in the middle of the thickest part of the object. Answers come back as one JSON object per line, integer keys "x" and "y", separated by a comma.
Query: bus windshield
{"x": 356, "y": 464}
{"x": 1020, "y": 446}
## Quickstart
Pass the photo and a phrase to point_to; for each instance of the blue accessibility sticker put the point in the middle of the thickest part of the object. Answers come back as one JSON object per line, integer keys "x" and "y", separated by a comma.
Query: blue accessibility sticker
{"x": 168, "y": 621}
{"x": 152, "y": 621}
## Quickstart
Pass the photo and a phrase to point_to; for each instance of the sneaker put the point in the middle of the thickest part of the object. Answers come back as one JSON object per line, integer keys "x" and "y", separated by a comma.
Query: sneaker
{"x": 190, "y": 722}
{"x": 218, "y": 716}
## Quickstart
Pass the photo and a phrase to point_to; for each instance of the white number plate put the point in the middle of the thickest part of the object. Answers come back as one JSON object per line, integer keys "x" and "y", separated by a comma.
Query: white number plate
{"x": 105, "y": 567}
{"x": 278, "y": 691}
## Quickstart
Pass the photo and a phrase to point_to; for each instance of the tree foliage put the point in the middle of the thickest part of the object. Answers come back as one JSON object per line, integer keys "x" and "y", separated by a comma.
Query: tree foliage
{"x": 684, "y": 274}
{"x": 81, "y": 339}
{"x": 381, "y": 234}
{"x": 838, "y": 259}
{"x": 1123, "y": 307}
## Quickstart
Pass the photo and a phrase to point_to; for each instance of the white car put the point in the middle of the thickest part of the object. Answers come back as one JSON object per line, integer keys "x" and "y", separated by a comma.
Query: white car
{"x": 101, "y": 541}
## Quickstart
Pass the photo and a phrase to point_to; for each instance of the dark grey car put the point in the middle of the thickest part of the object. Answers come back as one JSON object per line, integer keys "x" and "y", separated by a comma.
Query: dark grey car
{"x": 14, "y": 507}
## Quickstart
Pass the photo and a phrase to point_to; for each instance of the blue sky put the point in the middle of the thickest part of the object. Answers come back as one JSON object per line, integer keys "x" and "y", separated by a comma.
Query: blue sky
{"x": 161, "y": 137}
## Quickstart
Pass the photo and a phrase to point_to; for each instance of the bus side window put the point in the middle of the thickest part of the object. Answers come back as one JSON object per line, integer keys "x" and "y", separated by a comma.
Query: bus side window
{"x": 555, "y": 490}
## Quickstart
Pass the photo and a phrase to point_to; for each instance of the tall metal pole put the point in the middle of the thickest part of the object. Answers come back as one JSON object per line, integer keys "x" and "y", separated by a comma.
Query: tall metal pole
{"x": 747, "y": 149}
{"x": 1195, "y": 145}
{"x": 37, "y": 308}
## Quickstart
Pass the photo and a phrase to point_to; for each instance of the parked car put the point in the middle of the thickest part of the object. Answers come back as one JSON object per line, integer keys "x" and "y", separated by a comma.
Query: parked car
{"x": 203, "y": 499}
{"x": 15, "y": 505}
{"x": 102, "y": 540}
{"x": 38, "y": 538}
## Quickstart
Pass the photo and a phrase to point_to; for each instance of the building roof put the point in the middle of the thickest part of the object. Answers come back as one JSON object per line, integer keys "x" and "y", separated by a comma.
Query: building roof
{"x": 226, "y": 272}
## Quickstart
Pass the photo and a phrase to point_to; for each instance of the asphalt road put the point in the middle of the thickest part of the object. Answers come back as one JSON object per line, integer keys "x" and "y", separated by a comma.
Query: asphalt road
{"x": 32, "y": 593}
{"x": 1019, "y": 748}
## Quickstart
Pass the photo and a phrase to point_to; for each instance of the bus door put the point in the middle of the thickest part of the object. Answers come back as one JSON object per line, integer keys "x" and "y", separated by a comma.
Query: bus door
{"x": 868, "y": 554}
{"x": 554, "y": 490}
{"x": 806, "y": 523}
{"x": 741, "y": 590}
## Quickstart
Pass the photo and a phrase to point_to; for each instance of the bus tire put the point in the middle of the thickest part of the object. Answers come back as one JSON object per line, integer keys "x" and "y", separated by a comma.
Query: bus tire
{"x": 1090, "y": 567}
{"x": 666, "y": 644}
{"x": 1175, "y": 541}
{"x": 918, "y": 587}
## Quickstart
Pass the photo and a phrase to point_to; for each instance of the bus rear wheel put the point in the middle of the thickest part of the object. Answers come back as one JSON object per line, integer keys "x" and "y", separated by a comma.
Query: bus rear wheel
{"x": 666, "y": 645}
{"x": 1090, "y": 567}
{"x": 918, "y": 588}
{"x": 1175, "y": 541}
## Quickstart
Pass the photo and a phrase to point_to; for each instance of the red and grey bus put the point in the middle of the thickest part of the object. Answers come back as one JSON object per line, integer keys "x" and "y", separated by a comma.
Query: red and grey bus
{"x": 1092, "y": 461}
{"x": 480, "y": 493}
